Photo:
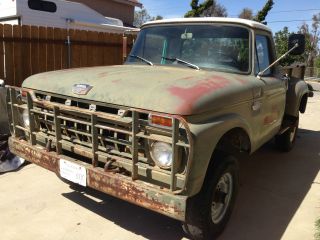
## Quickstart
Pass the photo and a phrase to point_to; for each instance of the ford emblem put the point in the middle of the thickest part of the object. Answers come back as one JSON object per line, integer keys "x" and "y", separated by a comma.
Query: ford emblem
{"x": 81, "y": 89}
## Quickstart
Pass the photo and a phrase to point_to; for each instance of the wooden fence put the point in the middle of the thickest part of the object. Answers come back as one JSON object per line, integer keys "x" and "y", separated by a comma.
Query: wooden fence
{"x": 27, "y": 50}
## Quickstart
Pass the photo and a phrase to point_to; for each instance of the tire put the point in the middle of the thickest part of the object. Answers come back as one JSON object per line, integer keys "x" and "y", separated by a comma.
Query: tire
{"x": 206, "y": 215}
{"x": 285, "y": 142}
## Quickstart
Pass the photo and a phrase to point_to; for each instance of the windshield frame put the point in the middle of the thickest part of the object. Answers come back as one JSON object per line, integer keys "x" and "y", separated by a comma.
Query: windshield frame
{"x": 250, "y": 43}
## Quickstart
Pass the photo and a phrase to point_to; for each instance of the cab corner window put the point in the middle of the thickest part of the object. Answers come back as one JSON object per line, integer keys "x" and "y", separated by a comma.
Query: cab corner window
{"x": 44, "y": 6}
{"x": 262, "y": 59}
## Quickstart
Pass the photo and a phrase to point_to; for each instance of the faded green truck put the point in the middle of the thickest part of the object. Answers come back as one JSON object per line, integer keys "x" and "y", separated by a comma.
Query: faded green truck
{"x": 164, "y": 130}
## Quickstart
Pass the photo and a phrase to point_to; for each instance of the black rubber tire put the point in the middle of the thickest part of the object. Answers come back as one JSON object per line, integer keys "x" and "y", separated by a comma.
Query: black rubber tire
{"x": 199, "y": 223}
{"x": 285, "y": 142}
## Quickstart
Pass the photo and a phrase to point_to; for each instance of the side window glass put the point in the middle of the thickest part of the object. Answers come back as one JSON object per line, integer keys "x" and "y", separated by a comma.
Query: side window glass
{"x": 262, "y": 54}
{"x": 41, "y": 5}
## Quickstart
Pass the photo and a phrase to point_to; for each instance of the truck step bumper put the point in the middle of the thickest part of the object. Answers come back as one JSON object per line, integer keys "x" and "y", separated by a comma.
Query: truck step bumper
{"x": 117, "y": 185}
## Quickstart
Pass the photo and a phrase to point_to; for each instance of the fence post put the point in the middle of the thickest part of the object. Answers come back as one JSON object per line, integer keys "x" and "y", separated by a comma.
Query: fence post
{"x": 2, "y": 56}
{"x": 124, "y": 47}
{"x": 68, "y": 43}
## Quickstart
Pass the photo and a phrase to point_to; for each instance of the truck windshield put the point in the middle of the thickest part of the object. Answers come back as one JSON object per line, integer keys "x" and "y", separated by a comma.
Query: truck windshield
{"x": 210, "y": 47}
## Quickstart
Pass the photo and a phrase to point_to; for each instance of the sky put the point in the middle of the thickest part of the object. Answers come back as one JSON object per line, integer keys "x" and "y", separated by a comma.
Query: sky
{"x": 291, "y": 13}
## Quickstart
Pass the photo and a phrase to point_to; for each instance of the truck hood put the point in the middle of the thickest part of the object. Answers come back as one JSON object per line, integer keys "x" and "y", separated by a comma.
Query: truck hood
{"x": 172, "y": 90}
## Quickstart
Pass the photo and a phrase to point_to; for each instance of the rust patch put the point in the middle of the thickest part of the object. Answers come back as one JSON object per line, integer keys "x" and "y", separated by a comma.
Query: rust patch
{"x": 190, "y": 95}
{"x": 268, "y": 120}
{"x": 34, "y": 155}
{"x": 116, "y": 81}
{"x": 103, "y": 75}
{"x": 272, "y": 117}
{"x": 241, "y": 80}
{"x": 188, "y": 78}
{"x": 133, "y": 193}
{"x": 111, "y": 183}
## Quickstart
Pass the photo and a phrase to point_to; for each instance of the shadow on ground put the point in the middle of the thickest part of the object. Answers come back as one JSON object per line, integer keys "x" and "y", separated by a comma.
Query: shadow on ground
{"x": 273, "y": 185}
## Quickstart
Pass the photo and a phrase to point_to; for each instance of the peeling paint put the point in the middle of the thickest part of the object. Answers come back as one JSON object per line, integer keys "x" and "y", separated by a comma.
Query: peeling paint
{"x": 190, "y": 95}
{"x": 241, "y": 80}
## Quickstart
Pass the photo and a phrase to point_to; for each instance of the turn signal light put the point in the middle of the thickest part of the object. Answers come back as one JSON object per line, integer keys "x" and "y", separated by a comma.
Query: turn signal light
{"x": 160, "y": 120}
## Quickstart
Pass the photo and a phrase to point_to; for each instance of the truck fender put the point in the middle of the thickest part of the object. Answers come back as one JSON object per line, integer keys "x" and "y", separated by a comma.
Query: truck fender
{"x": 297, "y": 97}
{"x": 206, "y": 137}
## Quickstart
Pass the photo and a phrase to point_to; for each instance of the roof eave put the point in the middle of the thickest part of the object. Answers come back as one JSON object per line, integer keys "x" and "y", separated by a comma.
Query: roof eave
{"x": 130, "y": 2}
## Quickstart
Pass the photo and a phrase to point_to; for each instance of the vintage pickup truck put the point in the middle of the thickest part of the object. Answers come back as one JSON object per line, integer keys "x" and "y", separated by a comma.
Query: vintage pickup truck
{"x": 164, "y": 130}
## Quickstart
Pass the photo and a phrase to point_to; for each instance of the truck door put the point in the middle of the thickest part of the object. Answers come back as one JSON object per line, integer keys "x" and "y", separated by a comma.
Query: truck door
{"x": 273, "y": 92}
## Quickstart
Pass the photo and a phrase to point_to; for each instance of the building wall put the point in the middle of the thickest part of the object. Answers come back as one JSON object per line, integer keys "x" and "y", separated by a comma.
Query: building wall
{"x": 112, "y": 9}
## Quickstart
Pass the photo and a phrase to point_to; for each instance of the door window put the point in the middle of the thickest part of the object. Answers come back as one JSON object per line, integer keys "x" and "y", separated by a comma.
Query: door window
{"x": 262, "y": 55}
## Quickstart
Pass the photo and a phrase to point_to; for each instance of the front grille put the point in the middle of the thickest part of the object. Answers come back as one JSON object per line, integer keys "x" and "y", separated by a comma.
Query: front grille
{"x": 109, "y": 137}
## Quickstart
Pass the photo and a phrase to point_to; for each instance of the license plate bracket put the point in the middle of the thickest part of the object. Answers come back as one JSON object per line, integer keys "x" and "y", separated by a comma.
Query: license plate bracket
{"x": 73, "y": 172}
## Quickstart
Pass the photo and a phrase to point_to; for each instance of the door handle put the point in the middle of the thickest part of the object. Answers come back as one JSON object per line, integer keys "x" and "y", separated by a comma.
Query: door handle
{"x": 286, "y": 79}
{"x": 256, "y": 105}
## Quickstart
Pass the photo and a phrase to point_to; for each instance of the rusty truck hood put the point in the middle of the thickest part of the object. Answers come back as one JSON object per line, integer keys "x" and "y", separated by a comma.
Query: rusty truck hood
{"x": 172, "y": 90}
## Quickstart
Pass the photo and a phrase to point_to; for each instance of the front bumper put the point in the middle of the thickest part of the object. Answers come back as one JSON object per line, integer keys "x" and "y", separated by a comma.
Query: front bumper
{"x": 137, "y": 192}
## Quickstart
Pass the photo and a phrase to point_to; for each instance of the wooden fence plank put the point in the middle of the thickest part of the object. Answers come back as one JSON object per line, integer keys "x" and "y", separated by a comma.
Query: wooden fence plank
{"x": 84, "y": 49}
{"x": 57, "y": 48}
{"x": 75, "y": 48}
{"x": 116, "y": 46}
{"x": 50, "y": 49}
{"x": 119, "y": 53}
{"x": 112, "y": 49}
{"x": 64, "y": 48}
{"x": 26, "y": 52}
{"x": 95, "y": 55}
{"x": 9, "y": 54}
{"x": 100, "y": 47}
{"x": 34, "y": 46}
{"x": 106, "y": 49}
{"x": 90, "y": 55}
{"x": 17, "y": 58}
{"x": 2, "y": 73}
{"x": 42, "y": 49}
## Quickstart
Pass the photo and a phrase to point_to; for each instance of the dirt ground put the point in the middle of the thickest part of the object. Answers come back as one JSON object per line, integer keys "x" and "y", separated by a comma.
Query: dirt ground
{"x": 279, "y": 199}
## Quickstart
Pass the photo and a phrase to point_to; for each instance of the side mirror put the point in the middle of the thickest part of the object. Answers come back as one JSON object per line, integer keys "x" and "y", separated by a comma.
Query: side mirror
{"x": 297, "y": 39}
{"x": 1, "y": 83}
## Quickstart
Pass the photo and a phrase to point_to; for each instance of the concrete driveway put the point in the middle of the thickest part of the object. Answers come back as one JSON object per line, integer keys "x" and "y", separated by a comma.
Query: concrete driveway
{"x": 279, "y": 199}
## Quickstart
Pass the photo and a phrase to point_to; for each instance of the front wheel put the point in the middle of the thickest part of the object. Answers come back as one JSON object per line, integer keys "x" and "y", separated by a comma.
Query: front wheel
{"x": 285, "y": 142}
{"x": 209, "y": 211}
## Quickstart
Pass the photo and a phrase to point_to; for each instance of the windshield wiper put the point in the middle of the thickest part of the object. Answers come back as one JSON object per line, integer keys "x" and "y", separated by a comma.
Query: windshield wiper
{"x": 142, "y": 59}
{"x": 174, "y": 59}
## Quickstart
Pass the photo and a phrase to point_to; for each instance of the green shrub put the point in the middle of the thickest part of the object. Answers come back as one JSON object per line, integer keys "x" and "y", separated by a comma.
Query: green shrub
{"x": 317, "y": 234}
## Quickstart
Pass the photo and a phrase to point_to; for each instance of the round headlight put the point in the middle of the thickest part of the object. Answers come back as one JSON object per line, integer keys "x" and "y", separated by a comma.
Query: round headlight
{"x": 25, "y": 118}
{"x": 161, "y": 154}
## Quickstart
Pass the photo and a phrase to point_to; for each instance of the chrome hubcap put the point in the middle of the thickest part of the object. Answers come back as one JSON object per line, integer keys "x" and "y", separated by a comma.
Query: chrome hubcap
{"x": 221, "y": 198}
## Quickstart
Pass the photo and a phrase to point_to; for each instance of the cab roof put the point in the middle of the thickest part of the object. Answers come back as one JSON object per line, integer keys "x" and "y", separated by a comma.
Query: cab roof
{"x": 245, "y": 22}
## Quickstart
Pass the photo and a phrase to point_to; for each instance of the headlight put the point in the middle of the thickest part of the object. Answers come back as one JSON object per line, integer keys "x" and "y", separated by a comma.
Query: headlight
{"x": 25, "y": 118}
{"x": 161, "y": 154}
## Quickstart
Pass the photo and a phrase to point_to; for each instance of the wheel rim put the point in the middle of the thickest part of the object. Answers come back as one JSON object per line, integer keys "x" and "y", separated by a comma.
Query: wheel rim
{"x": 221, "y": 198}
